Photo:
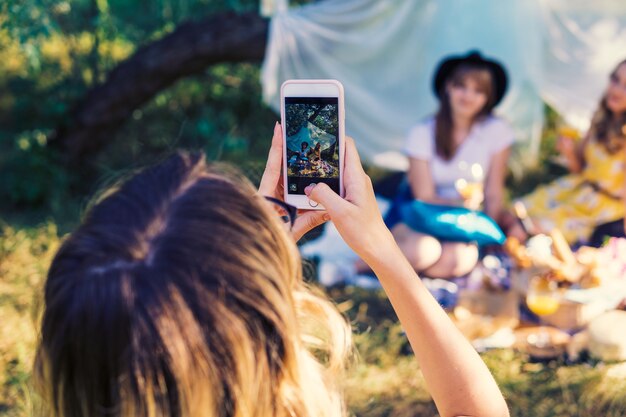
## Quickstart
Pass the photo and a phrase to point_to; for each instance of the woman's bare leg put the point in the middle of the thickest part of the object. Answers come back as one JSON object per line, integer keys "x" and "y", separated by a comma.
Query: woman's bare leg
{"x": 457, "y": 259}
{"x": 421, "y": 250}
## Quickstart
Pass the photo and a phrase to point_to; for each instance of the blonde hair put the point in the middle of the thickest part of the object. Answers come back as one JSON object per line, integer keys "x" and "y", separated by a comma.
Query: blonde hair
{"x": 182, "y": 295}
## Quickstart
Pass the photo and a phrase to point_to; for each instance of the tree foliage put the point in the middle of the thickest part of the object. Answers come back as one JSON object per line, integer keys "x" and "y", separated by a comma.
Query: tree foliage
{"x": 324, "y": 117}
{"x": 53, "y": 52}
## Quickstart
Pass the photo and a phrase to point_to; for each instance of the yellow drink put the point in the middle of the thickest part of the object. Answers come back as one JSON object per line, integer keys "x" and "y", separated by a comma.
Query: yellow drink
{"x": 468, "y": 190}
{"x": 542, "y": 305}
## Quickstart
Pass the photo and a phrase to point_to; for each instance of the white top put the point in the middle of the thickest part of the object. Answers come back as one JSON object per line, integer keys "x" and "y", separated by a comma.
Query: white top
{"x": 485, "y": 139}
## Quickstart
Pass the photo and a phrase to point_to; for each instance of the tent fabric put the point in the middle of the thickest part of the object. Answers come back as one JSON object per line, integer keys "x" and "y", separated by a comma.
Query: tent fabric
{"x": 312, "y": 135}
{"x": 384, "y": 52}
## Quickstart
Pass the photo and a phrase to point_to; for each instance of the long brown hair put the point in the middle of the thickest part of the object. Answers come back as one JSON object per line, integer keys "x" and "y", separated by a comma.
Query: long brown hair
{"x": 182, "y": 295}
{"x": 608, "y": 128}
{"x": 444, "y": 143}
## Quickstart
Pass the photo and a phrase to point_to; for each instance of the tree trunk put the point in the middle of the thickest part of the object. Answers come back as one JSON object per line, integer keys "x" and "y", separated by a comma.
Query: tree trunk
{"x": 189, "y": 50}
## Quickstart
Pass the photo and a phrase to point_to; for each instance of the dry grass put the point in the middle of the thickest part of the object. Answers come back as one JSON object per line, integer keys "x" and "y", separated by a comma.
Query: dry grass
{"x": 24, "y": 259}
{"x": 385, "y": 381}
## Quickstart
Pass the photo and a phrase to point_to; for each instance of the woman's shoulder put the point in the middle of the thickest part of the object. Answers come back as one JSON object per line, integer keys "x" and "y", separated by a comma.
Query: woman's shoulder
{"x": 495, "y": 123}
{"x": 494, "y": 127}
{"x": 494, "y": 134}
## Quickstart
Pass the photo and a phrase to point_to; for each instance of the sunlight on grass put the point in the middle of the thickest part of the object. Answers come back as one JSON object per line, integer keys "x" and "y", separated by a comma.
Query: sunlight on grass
{"x": 384, "y": 380}
{"x": 24, "y": 259}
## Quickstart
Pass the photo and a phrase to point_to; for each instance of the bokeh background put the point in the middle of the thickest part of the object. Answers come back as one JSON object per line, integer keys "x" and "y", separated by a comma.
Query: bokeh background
{"x": 64, "y": 136}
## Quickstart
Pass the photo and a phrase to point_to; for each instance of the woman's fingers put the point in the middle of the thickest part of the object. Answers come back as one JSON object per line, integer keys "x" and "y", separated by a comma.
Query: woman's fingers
{"x": 324, "y": 195}
{"x": 357, "y": 216}
{"x": 353, "y": 169}
{"x": 307, "y": 221}
{"x": 271, "y": 176}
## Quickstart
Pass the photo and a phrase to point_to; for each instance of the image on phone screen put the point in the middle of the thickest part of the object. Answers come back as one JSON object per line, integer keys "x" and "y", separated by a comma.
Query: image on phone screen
{"x": 312, "y": 126}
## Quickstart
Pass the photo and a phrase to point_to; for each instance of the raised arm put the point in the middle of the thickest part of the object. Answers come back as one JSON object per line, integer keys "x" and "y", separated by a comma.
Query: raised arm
{"x": 457, "y": 378}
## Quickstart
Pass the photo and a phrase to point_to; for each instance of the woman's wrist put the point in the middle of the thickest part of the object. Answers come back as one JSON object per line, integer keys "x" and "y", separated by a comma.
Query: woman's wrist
{"x": 381, "y": 250}
{"x": 573, "y": 164}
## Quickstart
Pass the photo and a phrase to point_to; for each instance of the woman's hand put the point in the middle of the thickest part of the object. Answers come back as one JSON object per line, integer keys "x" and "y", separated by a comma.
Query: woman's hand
{"x": 272, "y": 186}
{"x": 571, "y": 149}
{"x": 356, "y": 216}
{"x": 475, "y": 198}
{"x": 566, "y": 146}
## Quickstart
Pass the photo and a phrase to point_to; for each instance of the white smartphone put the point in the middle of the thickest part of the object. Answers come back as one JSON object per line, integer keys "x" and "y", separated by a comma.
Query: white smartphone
{"x": 312, "y": 113}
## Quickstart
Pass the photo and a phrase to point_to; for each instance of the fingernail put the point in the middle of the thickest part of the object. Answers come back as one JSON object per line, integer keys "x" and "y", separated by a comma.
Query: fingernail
{"x": 309, "y": 188}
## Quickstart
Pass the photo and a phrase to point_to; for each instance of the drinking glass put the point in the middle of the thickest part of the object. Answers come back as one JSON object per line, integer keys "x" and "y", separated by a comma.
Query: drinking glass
{"x": 470, "y": 185}
{"x": 543, "y": 298}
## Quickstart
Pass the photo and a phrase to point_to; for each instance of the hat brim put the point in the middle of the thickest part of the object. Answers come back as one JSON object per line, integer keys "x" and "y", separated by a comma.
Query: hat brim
{"x": 448, "y": 65}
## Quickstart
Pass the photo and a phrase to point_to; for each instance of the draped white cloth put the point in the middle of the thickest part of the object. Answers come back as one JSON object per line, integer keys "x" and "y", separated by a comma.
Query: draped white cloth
{"x": 384, "y": 52}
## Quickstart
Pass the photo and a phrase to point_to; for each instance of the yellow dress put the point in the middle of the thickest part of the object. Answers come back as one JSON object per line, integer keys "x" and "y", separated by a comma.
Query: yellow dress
{"x": 577, "y": 203}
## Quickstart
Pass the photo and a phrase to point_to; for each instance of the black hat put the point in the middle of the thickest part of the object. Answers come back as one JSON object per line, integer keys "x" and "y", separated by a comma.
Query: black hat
{"x": 449, "y": 64}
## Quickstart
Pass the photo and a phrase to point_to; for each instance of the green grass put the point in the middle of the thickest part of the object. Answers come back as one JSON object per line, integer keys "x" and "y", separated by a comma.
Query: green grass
{"x": 384, "y": 381}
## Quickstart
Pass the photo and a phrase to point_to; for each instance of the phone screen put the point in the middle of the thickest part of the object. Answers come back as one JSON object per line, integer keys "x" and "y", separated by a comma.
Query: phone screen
{"x": 312, "y": 126}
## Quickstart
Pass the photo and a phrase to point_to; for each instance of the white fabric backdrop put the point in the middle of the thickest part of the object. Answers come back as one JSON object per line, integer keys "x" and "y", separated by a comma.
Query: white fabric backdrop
{"x": 384, "y": 53}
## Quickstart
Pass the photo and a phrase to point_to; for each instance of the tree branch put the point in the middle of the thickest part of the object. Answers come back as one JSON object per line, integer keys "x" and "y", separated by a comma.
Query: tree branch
{"x": 189, "y": 50}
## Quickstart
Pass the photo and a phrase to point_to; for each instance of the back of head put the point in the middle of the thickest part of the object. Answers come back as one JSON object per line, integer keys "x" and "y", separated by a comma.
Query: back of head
{"x": 182, "y": 295}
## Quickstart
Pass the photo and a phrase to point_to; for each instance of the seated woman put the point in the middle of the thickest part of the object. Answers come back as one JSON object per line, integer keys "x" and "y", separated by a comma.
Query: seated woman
{"x": 181, "y": 294}
{"x": 315, "y": 154}
{"x": 454, "y": 155}
{"x": 593, "y": 194}
{"x": 317, "y": 165}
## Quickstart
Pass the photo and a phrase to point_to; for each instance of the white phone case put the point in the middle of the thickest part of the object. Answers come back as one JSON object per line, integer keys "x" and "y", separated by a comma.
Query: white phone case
{"x": 298, "y": 170}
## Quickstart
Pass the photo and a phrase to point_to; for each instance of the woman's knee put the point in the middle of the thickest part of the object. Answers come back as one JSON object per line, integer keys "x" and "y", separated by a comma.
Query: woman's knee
{"x": 456, "y": 259}
{"x": 421, "y": 250}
